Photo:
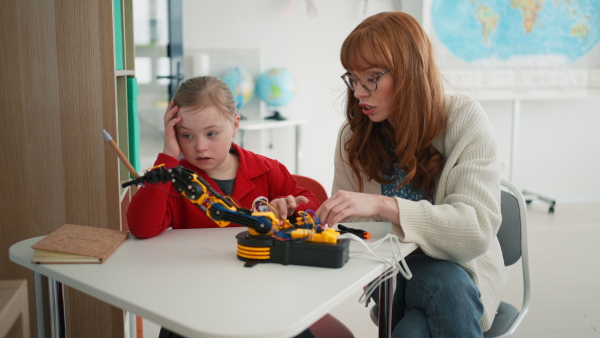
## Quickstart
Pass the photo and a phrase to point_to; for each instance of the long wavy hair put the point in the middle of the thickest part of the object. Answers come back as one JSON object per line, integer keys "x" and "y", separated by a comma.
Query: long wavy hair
{"x": 395, "y": 40}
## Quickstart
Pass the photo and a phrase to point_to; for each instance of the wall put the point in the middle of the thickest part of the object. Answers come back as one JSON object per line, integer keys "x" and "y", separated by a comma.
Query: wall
{"x": 58, "y": 93}
{"x": 559, "y": 150}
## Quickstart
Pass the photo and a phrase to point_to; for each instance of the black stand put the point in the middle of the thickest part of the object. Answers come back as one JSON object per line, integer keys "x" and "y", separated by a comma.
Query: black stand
{"x": 276, "y": 116}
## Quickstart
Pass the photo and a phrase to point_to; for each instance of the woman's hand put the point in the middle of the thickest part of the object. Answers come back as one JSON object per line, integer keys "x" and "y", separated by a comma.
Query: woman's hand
{"x": 171, "y": 146}
{"x": 345, "y": 203}
{"x": 286, "y": 206}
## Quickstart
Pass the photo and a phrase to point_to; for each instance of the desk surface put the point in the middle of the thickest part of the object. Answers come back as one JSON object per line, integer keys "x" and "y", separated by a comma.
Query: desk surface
{"x": 191, "y": 282}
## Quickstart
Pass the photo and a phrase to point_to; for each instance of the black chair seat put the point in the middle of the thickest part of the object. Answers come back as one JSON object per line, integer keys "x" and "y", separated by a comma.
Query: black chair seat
{"x": 375, "y": 314}
{"x": 504, "y": 319}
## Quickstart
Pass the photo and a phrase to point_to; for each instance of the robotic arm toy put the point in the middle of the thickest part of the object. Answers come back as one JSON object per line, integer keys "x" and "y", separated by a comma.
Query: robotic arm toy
{"x": 217, "y": 207}
{"x": 302, "y": 243}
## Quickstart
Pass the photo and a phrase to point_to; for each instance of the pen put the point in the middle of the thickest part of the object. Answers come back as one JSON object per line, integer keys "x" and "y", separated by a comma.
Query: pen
{"x": 124, "y": 159}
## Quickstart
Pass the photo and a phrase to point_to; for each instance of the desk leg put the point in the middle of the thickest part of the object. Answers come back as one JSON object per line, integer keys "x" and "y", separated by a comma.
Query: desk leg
{"x": 57, "y": 313}
{"x": 242, "y": 138}
{"x": 514, "y": 144}
{"x": 41, "y": 304}
{"x": 132, "y": 325}
{"x": 386, "y": 293}
{"x": 298, "y": 150}
{"x": 49, "y": 310}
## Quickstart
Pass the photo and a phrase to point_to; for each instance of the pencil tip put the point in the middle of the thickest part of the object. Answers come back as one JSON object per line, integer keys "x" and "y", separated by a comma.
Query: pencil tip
{"x": 106, "y": 135}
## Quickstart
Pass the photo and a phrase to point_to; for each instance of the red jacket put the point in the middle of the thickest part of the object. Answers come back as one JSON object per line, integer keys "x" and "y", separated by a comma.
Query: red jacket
{"x": 155, "y": 208}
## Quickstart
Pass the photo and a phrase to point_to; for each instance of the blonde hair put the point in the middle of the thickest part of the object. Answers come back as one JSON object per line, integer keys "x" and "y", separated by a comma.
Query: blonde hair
{"x": 205, "y": 91}
{"x": 395, "y": 40}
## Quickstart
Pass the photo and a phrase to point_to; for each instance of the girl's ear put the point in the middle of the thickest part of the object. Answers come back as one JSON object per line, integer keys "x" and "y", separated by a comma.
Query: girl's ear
{"x": 236, "y": 123}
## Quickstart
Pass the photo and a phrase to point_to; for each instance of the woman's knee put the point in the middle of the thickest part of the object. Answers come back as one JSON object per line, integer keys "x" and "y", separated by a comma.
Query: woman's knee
{"x": 445, "y": 293}
{"x": 440, "y": 274}
{"x": 440, "y": 281}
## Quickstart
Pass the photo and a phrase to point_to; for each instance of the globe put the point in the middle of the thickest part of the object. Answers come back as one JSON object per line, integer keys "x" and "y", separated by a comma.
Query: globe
{"x": 276, "y": 87}
{"x": 241, "y": 84}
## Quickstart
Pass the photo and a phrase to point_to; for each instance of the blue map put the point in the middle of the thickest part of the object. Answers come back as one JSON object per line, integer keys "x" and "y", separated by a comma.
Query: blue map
{"x": 517, "y": 32}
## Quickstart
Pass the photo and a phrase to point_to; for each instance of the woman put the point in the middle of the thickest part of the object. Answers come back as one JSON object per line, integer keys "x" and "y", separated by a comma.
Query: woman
{"x": 426, "y": 162}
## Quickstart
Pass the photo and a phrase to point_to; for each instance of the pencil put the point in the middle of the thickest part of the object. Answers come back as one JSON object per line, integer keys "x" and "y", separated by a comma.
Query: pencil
{"x": 124, "y": 159}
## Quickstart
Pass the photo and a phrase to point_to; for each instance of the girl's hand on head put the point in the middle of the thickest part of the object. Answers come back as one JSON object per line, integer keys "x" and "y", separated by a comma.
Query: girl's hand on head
{"x": 345, "y": 203}
{"x": 171, "y": 146}
{"x": 286, "y": 206}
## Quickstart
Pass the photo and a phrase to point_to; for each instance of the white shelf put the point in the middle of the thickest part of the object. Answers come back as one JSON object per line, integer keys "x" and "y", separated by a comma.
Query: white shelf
{"x": 124, "y": 73}
{"x": 253, "y": 124}
{"x": 257, "y": 125}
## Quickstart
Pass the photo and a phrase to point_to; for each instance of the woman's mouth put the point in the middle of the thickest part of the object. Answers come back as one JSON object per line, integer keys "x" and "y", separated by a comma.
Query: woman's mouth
{"x": 366, "y": 109}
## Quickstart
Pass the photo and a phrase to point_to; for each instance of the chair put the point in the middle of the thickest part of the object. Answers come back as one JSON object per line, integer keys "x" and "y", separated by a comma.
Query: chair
{"x": 513, "y": 241}
{"x": 313, "y": 185}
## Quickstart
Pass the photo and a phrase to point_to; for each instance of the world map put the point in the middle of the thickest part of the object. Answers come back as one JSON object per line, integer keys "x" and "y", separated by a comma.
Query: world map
{"x": 531, "y": 33}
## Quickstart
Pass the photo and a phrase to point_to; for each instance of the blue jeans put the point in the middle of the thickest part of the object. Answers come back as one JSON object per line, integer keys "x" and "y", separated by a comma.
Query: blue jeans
{"x": 440, "y": 300}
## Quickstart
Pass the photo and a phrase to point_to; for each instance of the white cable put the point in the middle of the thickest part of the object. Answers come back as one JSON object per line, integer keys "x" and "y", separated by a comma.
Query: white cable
{"x": 396, "y": 264}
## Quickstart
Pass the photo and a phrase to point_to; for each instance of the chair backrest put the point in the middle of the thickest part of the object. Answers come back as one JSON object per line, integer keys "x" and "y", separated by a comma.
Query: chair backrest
{"x": 513, "y": 229}
{"x": 313, "y": 185}
{"x": 509, "y": 233}
{"x": 513, "y": 240}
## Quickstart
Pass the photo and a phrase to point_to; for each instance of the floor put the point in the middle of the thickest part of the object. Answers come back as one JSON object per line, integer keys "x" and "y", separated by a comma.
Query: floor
{"x": 565, "y": 277}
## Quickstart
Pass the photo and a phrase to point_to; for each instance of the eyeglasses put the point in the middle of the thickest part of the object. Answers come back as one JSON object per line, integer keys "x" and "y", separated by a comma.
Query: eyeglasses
{"x": 367, "y": 81}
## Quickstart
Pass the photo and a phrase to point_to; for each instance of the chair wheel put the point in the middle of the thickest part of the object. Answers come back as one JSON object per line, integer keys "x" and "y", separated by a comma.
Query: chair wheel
{"x": 551, "y": 209}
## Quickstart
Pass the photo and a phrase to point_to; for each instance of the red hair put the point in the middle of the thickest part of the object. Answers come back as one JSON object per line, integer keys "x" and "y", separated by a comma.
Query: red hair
{"x": 395, "y": 40}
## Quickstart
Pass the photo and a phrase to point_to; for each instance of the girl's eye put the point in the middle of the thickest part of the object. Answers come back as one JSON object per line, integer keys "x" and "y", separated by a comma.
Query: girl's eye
{"x": 186, "y": 136}
{"x": 212, "y": 134}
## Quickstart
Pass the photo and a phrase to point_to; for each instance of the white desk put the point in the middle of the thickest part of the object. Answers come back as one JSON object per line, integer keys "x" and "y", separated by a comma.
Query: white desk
{"x": 254, "y": 125}
{"x": 191, "y": 282}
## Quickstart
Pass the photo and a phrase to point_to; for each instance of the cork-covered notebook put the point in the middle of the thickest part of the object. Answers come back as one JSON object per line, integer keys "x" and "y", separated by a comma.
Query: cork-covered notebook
{"x": 78, "y": 244}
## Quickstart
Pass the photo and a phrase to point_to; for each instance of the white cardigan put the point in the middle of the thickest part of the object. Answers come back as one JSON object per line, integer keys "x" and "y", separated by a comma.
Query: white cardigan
{"x": 462, "y": 224}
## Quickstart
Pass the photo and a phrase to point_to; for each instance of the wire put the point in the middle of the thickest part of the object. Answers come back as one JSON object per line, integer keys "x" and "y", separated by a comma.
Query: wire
{"x": 314, "y": 220}
{"x": 233, "y": 201}
{"x": 397, "y": 264}
{"x": 166, "y": 191}
{"x": 277, "y": 213}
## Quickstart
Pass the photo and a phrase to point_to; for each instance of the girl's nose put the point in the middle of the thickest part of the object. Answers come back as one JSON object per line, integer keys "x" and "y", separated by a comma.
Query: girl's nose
{"x": 201, "y": 144}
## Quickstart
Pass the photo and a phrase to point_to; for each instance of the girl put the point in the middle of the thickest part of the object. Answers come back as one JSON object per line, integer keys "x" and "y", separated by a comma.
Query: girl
{"x": 200, "y": 123}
